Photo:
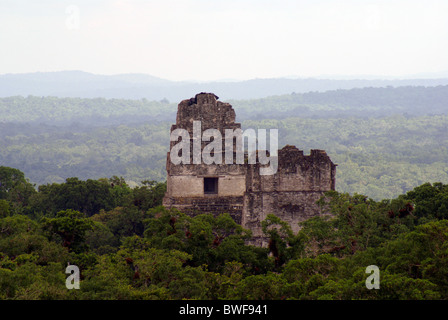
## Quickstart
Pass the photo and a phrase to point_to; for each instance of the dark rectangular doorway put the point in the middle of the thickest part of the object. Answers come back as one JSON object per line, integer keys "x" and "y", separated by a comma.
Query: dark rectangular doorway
{"x": 210, "y": 185}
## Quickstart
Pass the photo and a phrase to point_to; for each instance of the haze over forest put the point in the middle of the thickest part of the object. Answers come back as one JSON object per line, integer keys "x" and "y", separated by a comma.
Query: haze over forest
{"x": 98, "y": 165}
{"x": 88, "y": 94}
{"x": 387, "y": 136}
{"x": 138, "y": 86}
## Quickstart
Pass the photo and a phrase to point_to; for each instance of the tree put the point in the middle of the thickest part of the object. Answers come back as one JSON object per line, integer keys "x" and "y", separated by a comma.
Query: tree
{"x": 283, "y": 245}
{"x": 121, "y": 222}
{"x": 261, "y": 287}
{"x": 100, "y": 238}
{"x": 88, "y": 197}
{"x": 15, "y": 188}
{"x": 9, "y": 179}
{"x": 430, "y": 201}
{"x": 319, "y": 236}
{"x": 359, "y": 222}
{"x": 212, "y": 241}
{"x": 167, "y": 228}
{"x": 4, "y": 208}
{"x": 148, "y": 196}
{"x": 71, "y": 226}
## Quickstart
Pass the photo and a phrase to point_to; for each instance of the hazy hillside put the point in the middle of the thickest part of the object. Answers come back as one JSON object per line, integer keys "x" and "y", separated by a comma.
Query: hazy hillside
{"x": 385, "y": 140}
{"x": 137, "y": 86}
{"x": 359, "y": 102}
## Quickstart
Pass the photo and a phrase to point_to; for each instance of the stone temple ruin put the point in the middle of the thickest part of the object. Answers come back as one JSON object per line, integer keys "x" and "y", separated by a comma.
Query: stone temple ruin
{"x": 239, "y": 189}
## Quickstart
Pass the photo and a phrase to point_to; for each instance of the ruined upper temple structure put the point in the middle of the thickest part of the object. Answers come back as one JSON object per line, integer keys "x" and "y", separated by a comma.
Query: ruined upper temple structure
{"x": 239, "y": 189}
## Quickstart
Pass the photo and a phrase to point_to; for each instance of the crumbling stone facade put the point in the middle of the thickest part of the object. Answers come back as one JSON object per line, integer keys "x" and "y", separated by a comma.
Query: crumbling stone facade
{"x": 239, "y": 189}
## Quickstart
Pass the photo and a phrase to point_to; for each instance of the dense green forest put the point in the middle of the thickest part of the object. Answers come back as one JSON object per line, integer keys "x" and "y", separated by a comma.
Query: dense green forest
{"x": 129, "y": 247}
{"x": 379, "y": 157}
{"x": 385, "y": 141}
{"x": 82, "y": 180}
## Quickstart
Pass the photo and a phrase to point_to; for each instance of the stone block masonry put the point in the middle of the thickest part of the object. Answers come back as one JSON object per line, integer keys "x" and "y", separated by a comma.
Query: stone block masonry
{"x": 239, "y": 189}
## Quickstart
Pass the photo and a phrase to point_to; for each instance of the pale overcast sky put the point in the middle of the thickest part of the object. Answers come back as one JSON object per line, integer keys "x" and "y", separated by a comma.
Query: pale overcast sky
{"x": 231, "y": 39}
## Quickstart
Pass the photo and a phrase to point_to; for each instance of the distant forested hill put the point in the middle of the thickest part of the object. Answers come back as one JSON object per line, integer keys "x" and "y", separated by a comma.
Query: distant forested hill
{"x": 385, "y": 140}
{"x": 92, "y": 112}
{"x": 138, "y": 86}
{"x": 359, "y": 102}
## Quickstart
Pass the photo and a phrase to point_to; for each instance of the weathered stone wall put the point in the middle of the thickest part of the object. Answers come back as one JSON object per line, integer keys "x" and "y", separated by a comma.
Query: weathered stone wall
{"x": 184, "y": 186}
{"x": 185, "y": 182}
{"x": 290, "y": 206}
{"x": 208, "y": 204}
{"x": 290, "y": 194}
{"x": 206, "y": 108}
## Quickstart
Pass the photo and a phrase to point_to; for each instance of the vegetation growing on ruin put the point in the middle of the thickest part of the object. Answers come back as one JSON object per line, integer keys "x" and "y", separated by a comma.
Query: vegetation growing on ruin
{"x": 129, "y": 247}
